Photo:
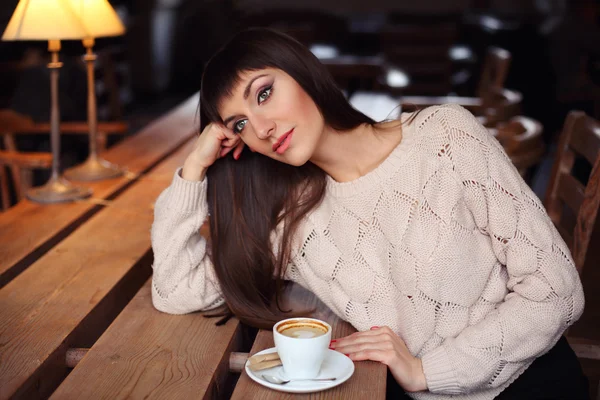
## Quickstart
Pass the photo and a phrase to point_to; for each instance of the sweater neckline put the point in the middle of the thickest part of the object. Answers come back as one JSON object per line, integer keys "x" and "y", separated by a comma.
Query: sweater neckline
{"x": 384, "y": 170}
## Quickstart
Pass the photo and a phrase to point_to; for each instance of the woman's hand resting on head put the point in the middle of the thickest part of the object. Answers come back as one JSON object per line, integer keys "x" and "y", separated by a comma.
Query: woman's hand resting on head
{"x": 215, "y": 141}
{"x": 383, "y": 345}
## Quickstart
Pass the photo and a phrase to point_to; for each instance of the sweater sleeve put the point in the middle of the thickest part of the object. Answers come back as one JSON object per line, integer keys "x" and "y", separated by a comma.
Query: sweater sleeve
{"x": 545, "y": 294}
{"x": 183, "y": 278}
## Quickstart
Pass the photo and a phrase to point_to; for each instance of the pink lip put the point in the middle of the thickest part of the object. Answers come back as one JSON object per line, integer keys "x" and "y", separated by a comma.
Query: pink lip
{"x": 282, "y": 139}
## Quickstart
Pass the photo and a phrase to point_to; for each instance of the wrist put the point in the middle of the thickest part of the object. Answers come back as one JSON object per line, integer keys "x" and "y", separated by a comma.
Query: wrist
{"x": 193, "y": 172}
{"x": 419, "y": 380}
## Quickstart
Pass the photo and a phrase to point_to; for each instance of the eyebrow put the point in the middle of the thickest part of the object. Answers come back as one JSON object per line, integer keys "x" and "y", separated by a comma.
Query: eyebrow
{"x": 246, "y": 94}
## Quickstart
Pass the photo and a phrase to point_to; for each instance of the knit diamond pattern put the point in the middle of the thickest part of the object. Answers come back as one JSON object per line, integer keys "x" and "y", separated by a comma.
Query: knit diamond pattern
{"x": 445, "y": 244}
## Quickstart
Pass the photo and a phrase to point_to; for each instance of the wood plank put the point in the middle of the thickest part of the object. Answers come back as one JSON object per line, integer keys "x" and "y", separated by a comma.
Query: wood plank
{"x": 23, "y": 238}
{"x": 571, "y": 191}
{"x": 149, "y": 354}
{"x": 367, "y": 382}
{"x": 70, "y": 295}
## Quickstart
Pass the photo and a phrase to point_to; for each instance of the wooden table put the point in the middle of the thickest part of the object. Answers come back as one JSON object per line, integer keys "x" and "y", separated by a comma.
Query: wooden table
{"x": 367, "y": 382}
{"x": 75, "y": 282}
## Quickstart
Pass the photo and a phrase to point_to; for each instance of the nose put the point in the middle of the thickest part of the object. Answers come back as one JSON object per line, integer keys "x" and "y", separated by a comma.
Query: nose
{"x": 264, "y": 127}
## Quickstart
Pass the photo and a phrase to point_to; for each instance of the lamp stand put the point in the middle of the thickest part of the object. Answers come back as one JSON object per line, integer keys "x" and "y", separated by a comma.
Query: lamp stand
{"x": 57, "y": 189}
{"x": 94, "y": 168}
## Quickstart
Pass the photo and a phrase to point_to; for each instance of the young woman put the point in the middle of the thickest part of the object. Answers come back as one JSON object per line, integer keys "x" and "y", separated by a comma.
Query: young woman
{"x": 419, "y": 231}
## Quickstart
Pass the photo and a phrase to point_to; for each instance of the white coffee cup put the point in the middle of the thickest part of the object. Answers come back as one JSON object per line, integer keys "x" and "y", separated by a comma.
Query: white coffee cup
{"x": 302, "y": 344}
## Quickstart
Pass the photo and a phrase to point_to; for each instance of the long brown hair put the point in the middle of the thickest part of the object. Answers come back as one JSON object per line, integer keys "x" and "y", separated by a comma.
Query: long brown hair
{"x": 249, "y": 198}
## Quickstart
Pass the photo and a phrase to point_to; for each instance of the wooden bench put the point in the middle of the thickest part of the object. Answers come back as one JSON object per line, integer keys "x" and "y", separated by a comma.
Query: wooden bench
{"x": 69, "y": 295}
{"x": 85, "y": 282}
{"x": 146, "y": 353}
{"x": 25, "y": 238}
{"x": 191, "y": 357}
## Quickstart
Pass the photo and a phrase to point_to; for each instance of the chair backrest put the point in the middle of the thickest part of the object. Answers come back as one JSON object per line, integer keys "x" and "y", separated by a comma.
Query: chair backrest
{"x": 19, "y": 164}
{"x": 572, "y": 200}
{"x": 521, "y": 138}
{"x": 494, "y": 71}
{"x": 500, "y": 105}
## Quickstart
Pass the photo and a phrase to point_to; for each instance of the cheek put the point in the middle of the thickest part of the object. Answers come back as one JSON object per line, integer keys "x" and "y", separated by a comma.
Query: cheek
{"x": 306, "y": 107}
{"x": 298, "y": 106}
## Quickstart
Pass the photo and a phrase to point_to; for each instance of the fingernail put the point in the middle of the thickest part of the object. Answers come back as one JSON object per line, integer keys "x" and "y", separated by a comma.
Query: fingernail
{"x": 236, "y": 156}
{"x": 347, "y": 355}
{"x": 333, "y": 341}
{"x": 374, "y": 327}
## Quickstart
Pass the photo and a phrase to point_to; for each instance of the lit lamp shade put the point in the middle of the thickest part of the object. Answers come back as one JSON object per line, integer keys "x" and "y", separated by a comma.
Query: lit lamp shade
{"x": 98, "y": 17}
{"x": 44, "y": 20}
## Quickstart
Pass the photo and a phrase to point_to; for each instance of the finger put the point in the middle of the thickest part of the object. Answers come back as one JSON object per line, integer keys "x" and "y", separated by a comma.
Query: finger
{"x": 238, "y": 150}
{"x": 221, "y": 131}
{"x": 225, "y": 151}
{"x": 370, "y": 333}
{"x": 382, "y": 356}
{"x": 353, "y": 341}
{"x": 365, "y": 346}
{"x": 229, "y": 134}
{"x": 230, "y": 142}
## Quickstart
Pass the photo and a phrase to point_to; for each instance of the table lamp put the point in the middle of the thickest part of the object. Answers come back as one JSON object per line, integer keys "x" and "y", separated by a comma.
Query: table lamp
{"x": 99, "y": 20}
{"x": 51, "y": 20}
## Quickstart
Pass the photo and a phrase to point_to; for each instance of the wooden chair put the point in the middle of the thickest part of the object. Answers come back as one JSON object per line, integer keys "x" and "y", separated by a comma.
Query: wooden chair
{"x": 497, "y": 106}
{"x": 521, "y": 138}
{"x": 573, "y": 204}
{"x": 493, "y": 102}
{"x": 494, "y": 71}
{"x": 21, "y": 164}
{"x": 580, "y": 139}
{"x": 12, "y": 122}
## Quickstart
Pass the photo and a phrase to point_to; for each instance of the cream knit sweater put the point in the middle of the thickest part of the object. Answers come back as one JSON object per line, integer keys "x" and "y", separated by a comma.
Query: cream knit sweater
{"x": 443, "y": 242}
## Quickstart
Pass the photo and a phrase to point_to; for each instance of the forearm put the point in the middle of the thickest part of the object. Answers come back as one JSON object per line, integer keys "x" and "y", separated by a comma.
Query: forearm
{"x": 488, "y": 353}
{"x": 183, "y": 278}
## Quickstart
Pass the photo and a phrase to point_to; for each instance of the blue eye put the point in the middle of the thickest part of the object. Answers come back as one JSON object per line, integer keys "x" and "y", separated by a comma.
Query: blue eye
{"x": 264, "y": 94}
{"x": 239, "y": 126}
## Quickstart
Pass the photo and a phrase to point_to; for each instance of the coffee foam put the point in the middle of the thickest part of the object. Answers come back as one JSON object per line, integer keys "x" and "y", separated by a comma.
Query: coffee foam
{"x": 298, "y": 326}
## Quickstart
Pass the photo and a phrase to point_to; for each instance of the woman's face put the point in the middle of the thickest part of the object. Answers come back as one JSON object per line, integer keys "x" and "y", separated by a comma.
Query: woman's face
{"x": 274, "y": 116}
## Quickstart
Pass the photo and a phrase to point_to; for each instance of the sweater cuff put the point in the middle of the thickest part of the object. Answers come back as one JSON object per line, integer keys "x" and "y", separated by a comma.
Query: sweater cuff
{"x": 188, "y": 195}
{"x": 439, "y": 374}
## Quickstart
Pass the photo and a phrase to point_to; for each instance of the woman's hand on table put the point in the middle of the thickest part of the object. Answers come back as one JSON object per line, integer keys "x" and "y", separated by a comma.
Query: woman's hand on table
{"x": 384, "y": 346}
{"x": 214, "y": 142}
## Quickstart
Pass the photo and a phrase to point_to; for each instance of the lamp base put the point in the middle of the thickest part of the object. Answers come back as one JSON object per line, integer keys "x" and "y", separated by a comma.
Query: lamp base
{"x": 58, "y": 190}
{"x": 93, "y": 169}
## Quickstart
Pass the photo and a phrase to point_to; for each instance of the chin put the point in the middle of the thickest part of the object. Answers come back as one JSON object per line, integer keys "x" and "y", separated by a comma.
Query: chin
{"x": 296, "y": 157}
{"x": 294, "y": 161}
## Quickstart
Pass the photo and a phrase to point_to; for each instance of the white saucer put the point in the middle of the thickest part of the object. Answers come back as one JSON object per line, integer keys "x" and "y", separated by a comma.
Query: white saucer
{"x": 335, "y": 365}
